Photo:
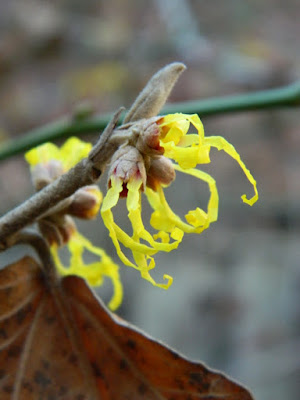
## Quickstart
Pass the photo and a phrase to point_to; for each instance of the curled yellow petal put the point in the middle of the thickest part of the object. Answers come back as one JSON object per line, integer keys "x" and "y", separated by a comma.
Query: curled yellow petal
{"x": 165, "y": 220}
{"x": 187, "y": 157}
{"x": 213, "y": 202}
{"x": 93, "y": 272}
{"x": 146, "y": 263}
{"x": 142, "y": 243}
{"x": 188, "y": 150}
{"x": 141, "y": 253}
{"x": 175, "y": 126}
{"x": 221, "y": 144}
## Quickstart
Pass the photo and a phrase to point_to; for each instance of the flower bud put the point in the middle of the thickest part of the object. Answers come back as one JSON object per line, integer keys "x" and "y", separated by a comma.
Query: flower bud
{"x": 57, "y": 229}
{"x": 127, "y": 164}
{"x": 44, "y": 173}
{"x": 161, "y": 171}
{"x": 148, "y": 139}
{"x": 85, "y": 202}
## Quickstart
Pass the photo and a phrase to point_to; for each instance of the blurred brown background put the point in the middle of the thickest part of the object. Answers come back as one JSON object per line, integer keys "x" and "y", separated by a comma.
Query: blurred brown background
{"x": 235, "y": 299}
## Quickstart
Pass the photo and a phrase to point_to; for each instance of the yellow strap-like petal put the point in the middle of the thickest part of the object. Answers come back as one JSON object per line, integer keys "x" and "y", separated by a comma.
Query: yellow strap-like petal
{"x": 112, "y": 196}
{"x": 139, "y": 232}
{"x": 73, "y": 151}
{"x": 178, "y": 125}
{"x": 145, "y": 266}
{"x": 221, "y": 144}
{"x": 187, "y": 157}
{"x": 164, "y": 219}
{"x": 69, "y": 154}
{"x": 213, "y": 203}
{"x": 93, "y": 272}
{"x": 140, "y": 251}
{"x": 42, "y": 154}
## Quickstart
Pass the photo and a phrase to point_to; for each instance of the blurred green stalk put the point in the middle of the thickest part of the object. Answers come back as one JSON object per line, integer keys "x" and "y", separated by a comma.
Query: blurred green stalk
{"x": 287, "y": 96}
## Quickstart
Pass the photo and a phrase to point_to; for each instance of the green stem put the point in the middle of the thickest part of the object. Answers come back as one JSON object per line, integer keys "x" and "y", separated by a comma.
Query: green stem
{"x": 287, "y": 96}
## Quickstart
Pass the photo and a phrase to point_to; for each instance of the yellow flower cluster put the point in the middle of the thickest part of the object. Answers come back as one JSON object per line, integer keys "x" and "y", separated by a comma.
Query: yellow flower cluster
{"x": 146, "y": 165}
{"x": 187, "y": 150}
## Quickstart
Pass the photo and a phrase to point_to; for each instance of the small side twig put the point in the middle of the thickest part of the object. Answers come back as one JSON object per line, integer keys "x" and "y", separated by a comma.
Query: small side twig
{"x": 39, "y": 244}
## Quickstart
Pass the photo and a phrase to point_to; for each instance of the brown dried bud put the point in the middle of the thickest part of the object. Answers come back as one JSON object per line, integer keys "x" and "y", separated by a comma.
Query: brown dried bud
{"x": 127, "y": 163}
{"x": 161, "y": 171}
{"x": 57, "y": 229}
{"x": 85, "y": 202}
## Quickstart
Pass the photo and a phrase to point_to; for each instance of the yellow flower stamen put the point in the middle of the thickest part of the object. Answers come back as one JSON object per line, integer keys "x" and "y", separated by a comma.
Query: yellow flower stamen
{"x": 221, "y": 144}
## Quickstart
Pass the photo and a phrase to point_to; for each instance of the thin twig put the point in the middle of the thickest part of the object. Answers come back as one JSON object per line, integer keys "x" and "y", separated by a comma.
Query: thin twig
{"x": 287, "y": 96}
{"x": 39, "y": 244}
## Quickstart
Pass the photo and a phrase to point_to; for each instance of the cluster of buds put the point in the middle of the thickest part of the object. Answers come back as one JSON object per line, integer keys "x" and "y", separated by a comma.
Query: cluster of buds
{"x": 141, "y": 158}
{"x": 48, "y": 162}
{"x": 57, "y": 225}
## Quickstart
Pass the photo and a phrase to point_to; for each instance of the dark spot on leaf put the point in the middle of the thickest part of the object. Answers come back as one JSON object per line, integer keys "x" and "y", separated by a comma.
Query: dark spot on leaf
{"x": 45, "y": 364}
{"x": 179, "y": 384}
{"x": 21, "y": 315}
{"x": 142, "y": 389}
{"x": 131, "y": 344}
{"x": 72, "y": 359}
{"x": 174, "y": 355}
{"x": 97, "y": 371}
{"x": 3, "y": 333}
{"x": 7, "y": 291}
{"x": 62, "y": 390}
{"x": 14, "y": 351}
{"x": 8, "y": 388}
{"x": 199, "y": 379}
{"x": 196, "y": 377}
{"x": 28, "y": 386}
{"x": 41, "y": 379}
{"x": 50, "y": 319}
{"x": 80, "y": 397}
{"x": 123, "y": 364}
{"x": 2, "y": 373}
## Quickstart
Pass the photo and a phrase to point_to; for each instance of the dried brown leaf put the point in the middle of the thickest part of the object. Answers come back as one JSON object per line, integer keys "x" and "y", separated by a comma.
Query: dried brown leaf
{"x": 58, "y": 342}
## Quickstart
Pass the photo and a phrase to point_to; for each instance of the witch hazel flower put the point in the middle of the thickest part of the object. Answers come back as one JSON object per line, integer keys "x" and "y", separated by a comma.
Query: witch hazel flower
{"x": 163, "y": 147}
{"x": 128, "y": 178}
{"x": 143, "y": 155}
